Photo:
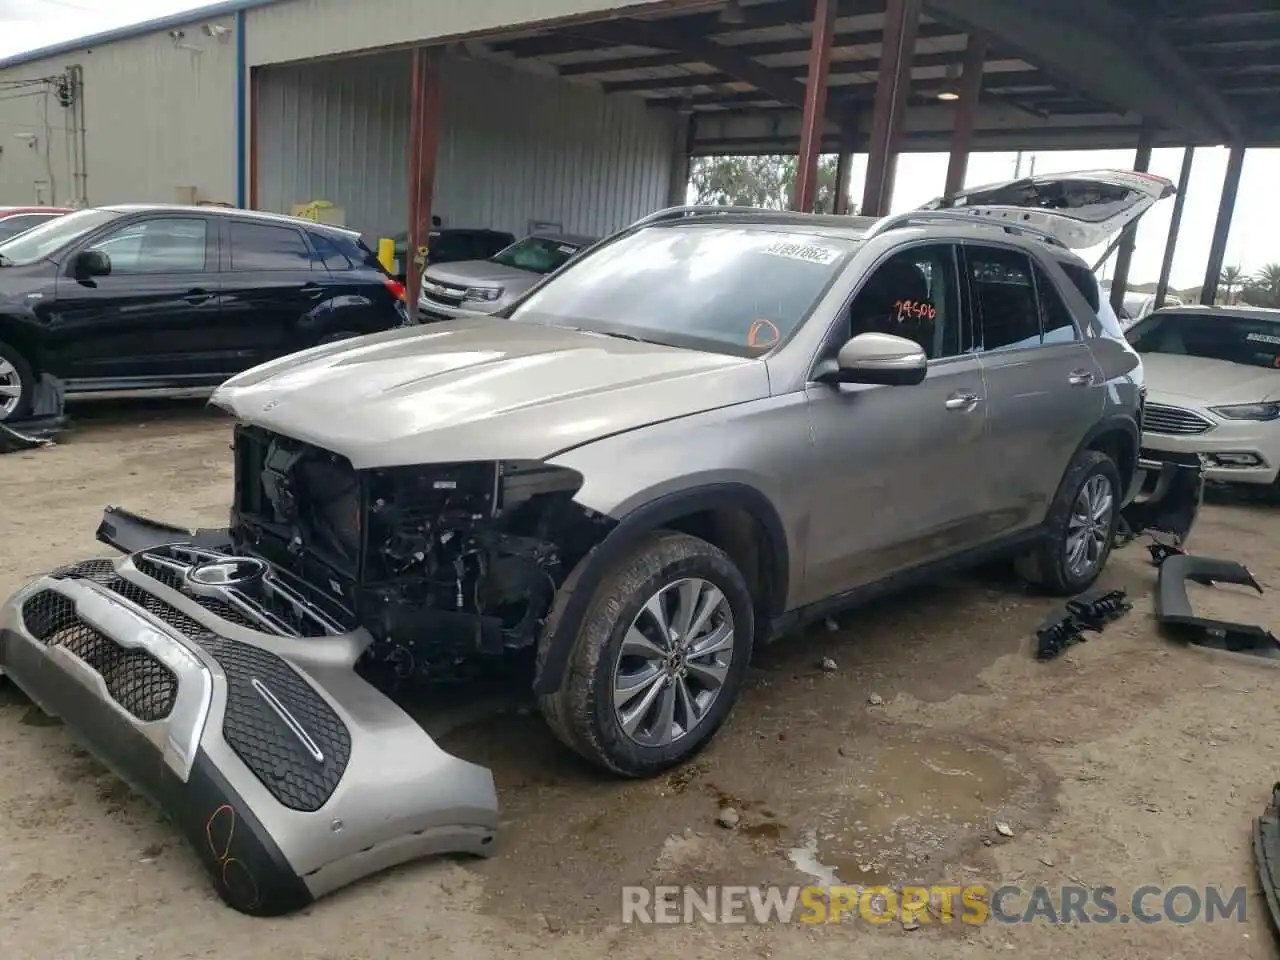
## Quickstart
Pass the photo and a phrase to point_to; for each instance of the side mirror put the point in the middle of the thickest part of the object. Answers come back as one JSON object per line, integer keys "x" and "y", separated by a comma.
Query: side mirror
{"x": 880, "y": 358}
{"x": 91, "y": 263}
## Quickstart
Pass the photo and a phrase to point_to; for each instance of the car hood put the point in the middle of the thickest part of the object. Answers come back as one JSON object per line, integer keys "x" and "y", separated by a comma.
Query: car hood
{"x": 471, "y": 273}
{"x": 1181, "y": 380}
{"x": 481, "y": 389}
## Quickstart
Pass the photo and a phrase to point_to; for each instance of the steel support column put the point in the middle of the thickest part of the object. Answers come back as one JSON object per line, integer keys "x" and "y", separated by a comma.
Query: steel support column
{"x": 815, "y": 106}
{"x": 1175, "y": 224}
{"x": 901, "y": 20}
{"x": 975, "y": 58}
{"x": 1222, "y": 229}
{"x": 843, "y": 163}
{"x": 1124, "y": 256}
{"x": 424, "y": 143}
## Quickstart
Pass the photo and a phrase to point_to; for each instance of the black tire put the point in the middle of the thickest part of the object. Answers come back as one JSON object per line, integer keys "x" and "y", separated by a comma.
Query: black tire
{"x": 581, "y": 712}
{"x": 1048, "y": 566}
{"x": 21, "y": 370}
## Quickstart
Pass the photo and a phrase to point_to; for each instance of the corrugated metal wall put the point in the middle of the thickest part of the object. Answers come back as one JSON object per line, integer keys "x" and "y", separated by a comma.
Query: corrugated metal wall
{"x": 300, "y": 29}
{"x": 157, "y": 118}
{"x": 516, "y": 146}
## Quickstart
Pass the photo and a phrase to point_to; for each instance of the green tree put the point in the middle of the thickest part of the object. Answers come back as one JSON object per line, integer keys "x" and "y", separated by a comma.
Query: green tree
{"x": 1230, "y": 280}
{"x": 765, "y": 181}
{"x": 1263, "y": 288}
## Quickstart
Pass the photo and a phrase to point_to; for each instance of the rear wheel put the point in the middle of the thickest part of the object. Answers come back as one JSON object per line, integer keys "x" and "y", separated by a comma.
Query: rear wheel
{"x": 659, "y": 659}
{"x": 1080, "y": 528}
{"x": 17, "y": 384}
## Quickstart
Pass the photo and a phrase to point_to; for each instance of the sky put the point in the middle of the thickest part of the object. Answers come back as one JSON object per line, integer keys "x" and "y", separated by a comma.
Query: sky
{"x": 1254, "y": 240}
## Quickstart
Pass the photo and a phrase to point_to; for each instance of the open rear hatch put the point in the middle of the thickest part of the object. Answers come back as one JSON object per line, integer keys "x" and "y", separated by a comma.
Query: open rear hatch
{"x": 1080, "y": 210}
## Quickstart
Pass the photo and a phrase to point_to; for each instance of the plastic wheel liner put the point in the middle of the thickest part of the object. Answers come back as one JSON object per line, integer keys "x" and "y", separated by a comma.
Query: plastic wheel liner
{"x": 219, "y": 688}
{"x": 1266, "y": 854}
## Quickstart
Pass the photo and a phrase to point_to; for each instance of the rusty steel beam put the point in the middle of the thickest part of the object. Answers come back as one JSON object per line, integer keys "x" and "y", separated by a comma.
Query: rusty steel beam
{"x": 1175, "y": 224}
{"x": 858, "y": 69}
{"x": 1222, "y": 228}
{"x": 901, "y": 19}
{"x": 1124, "y": 255}
{"x": 424, "y": 146}
{"x": 813, "y": 121}
{"x": 731, "y": 64}
{"x": 975, "y": 58}
{"x": 761, "y": 48}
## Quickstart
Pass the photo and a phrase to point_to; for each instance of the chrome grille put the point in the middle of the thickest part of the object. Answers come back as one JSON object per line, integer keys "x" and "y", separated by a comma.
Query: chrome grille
{"x": 272, "y": 606}
{"x": 1159, "y": 418}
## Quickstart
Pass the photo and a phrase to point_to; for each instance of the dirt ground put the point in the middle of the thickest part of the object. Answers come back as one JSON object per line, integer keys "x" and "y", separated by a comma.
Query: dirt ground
{"x": 1129, "y": 761}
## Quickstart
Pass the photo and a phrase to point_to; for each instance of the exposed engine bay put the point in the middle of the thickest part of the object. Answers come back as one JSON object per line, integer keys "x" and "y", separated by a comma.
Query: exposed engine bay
{"x": 438, "y": 562}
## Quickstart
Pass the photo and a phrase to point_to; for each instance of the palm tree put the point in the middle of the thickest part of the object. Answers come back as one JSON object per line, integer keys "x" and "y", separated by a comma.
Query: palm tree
{"x": 1230, "y": 280}
{"x": 1268, "y": 279}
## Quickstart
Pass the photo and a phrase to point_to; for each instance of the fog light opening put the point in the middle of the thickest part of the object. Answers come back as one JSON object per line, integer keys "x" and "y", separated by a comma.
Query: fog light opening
{"x": 1235, "y": 460}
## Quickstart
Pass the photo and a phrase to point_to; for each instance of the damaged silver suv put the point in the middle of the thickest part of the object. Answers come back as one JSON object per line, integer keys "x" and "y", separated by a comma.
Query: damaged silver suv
{"x": 714, "y": 426}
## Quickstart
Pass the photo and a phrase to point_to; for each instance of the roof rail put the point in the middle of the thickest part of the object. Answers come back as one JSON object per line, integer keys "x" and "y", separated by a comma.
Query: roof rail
{"x": 778, "y": 216}
{"x": 976, "y": 218}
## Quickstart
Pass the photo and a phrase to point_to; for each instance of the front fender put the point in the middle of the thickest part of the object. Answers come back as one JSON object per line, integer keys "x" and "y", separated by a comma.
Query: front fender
{"x": 747, "y": 456}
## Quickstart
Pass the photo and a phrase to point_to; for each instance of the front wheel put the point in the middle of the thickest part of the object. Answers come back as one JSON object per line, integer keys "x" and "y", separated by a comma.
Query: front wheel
{"x": 1080, "y": 528}
{"x": 17, "y": 384}
{"x": 659, "y": 659}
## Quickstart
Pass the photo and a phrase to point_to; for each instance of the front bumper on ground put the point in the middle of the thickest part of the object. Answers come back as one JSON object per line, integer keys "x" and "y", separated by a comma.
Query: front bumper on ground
{"x": 242, "y": 718}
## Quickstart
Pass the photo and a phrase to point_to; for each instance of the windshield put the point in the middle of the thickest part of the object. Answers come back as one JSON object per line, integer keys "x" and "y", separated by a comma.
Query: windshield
{"x": 730, "y": 289}
{"x": 537, "y": 254}
{"x": 1252, "y": 342}
{"x": 48, "y": 238}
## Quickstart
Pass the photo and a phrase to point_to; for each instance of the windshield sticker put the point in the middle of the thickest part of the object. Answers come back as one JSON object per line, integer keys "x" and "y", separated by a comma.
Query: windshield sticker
{"x": 1262, "y": 338}
{"x": 905, "y": 310}
{"x": 808, "y": 252}
{"x": 567, "y": 250}
{"x": 763, "y": 333}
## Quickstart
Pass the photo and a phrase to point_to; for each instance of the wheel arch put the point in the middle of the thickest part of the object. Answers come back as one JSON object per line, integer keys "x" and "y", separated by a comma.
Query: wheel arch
{"x": 1118, "y": 437}
{"x": 735, "y": 517}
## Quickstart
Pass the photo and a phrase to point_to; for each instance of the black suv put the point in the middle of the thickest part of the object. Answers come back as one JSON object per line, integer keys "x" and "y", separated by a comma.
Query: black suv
{"x": 161, "y": 299}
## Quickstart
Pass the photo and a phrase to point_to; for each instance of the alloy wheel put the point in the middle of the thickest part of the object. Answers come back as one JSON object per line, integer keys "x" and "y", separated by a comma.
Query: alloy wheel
{"x": 673, "y": 663}
{"x": 11, "y": 386}
{"x": 1089, "y": 526}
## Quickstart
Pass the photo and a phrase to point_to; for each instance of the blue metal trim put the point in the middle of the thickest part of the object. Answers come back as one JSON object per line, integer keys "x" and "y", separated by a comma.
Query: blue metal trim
{"x": 242, "y": 117}
{"x": 182, "y": 19}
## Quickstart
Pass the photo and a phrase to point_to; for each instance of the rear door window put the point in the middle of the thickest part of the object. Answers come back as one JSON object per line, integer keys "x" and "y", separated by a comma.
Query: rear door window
{"x": 1006, "y": 305}
{"x": 1056, "y": 319}
{"x": 261, "y": 247}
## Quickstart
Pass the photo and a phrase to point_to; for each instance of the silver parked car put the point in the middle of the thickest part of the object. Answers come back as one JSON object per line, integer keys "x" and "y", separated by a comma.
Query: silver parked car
{"x": 710, "y": 428}
{"x": 1213, "y": 375}
{"x": 480, "y": 287}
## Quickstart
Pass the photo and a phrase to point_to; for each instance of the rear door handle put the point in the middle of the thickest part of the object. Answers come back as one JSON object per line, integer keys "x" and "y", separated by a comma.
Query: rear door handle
{"x": 1080, "y": 378}
{"x": 197, "y": 296}
{"x": 962, "y": 401}
{"x": 313, "y": 290}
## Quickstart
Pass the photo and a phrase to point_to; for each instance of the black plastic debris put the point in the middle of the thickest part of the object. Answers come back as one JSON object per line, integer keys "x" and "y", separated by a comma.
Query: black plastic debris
{"x": 1089, "y": 612}
{"x": 1176, "y": 616}
{"x": 1160, "y": 552}
{"x": 47, "y": 420}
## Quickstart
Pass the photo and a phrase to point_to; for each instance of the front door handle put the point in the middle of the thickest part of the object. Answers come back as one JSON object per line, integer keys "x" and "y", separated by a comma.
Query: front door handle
{"x": 197, "y": 296}
{"x": 1080, "y": 378}
{"x": 962, "y": 401}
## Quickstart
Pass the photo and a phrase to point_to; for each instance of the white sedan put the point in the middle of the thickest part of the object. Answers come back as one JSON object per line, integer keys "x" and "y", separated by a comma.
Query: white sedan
{"x": 1213, "y": 388}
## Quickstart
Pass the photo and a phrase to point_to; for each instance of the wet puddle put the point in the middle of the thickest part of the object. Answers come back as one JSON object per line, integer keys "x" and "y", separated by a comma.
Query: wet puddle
{"x": 911, "y": 808}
